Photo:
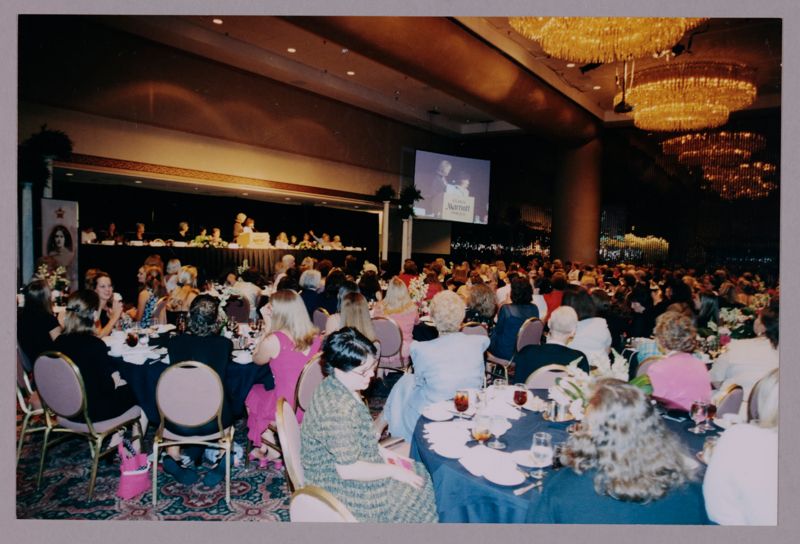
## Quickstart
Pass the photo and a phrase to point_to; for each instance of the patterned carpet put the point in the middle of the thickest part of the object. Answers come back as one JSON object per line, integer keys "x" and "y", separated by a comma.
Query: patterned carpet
{"x": 256, "y": 494}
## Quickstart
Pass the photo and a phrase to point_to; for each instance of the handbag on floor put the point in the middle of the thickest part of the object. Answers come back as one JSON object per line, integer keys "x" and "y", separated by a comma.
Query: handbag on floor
{"x": 134, "y": 478}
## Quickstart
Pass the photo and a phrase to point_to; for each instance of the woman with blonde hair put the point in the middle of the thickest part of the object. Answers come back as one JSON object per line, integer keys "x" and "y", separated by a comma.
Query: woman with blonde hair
{"x": 741, "y": 483}
{"x": 353, "y": 312}
{"x": 180, "y": 299}
{"x": 148, "y": 297}
{"x": 398, "y": 306}
{"x": 452, "y": 361}
{"x": 626, "y": 466}
{"x": 290, "y": 340}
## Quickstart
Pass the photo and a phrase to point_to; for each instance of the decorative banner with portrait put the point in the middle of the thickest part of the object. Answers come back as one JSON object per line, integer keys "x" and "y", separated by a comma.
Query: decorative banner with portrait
{"x": 60, "y": 240}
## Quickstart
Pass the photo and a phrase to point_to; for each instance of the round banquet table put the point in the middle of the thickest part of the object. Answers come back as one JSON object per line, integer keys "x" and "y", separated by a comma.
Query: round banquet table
{"x": 464, "y": 498}
{"x": 142, "y": 379}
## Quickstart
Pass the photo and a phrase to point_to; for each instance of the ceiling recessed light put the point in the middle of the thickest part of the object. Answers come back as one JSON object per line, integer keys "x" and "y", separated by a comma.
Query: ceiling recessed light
{"x": 245, "y": 194}
{"x": 291, "y": 50}
{"x": 323, "y": 202}
{"x": 137, "y": 181}
{"x": 570, "y": 65}
{"x": 596, "y": 87}
{"x": 356, "y": 206}
{"x": 217, "y": 21}
{"x": 351, "y": 73}
{"x": 287, "y": 198}
{"x": 69, "y": 174}
{"x": 345, "y": 50}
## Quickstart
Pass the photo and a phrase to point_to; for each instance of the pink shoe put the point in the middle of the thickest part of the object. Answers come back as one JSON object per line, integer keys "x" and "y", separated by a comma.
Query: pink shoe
{"x": 278, "y": 464}
{"x": 262, "y": 461}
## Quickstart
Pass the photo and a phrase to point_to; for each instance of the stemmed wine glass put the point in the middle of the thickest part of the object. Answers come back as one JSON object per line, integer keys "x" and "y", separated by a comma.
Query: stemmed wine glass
{"x": 481, "y": 428}
{"x": 461, "y": 401}
{"x": 497, "y": 426}
{"x": 520, "y": 394}
{"x": 542, "y": 453}
{"x": 711, "y": 412}
{"x": 698, "y": 414}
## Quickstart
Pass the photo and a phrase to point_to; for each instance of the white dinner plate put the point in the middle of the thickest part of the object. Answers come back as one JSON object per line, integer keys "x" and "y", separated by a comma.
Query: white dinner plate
{"x": 436, "y": 412}
{"x": 523, "y": 458}
{"x": 503, "y": 475}
{"x": 450, "y": 451}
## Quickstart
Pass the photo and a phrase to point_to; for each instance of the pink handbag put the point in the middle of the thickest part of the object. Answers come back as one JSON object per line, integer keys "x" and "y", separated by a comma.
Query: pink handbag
{"x": 134, "y": 476}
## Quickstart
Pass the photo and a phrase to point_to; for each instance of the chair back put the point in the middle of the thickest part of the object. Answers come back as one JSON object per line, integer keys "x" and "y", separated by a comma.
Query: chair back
{"x": 238, "y": 308}
{"x": 530, "y": 333}
{"x": 473, "y": 327}
{"x": 389, "y": 335}
{"x": 545, "y": 377}
{"x": 160, "y": 312}
{"x": 59, "y": 384}
{"x": 314, "y": 504}
{"x": 22, "y": 358}
{"x": 320, "y": 318}
{"x": 310, "y": 378}
{"x": 22, "y": 381}
{"x": 752, "y": 406}
{"x": 730, "y": 402}
{"x": 189, "y": 394}
{"x": 644, "y": 365}
{"x": 289, "y": 436}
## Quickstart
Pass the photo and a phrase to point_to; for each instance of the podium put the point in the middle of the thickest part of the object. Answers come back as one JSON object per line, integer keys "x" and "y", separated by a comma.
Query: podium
{"x": 457, "y": 207}
{"x": 254, "y": 240}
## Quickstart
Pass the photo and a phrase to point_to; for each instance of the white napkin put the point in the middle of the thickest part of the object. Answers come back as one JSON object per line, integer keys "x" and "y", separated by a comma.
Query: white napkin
{"x": 138, "y": 355}
{"x": 242, "y": 356}
{"x": 446, "y": 433}
{"x": 480, "y": 461}
{"x": 501, "y": 406}
{"x": 166, "y": 327}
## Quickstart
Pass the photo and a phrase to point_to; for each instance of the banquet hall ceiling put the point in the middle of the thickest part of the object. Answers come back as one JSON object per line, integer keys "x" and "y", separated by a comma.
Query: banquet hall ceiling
{"x": 376, "y": 64}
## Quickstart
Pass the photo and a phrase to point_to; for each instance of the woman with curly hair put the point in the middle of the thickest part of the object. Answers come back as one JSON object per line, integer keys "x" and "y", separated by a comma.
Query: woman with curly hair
{"x": 625, "y": 466}
{"x": 678, "y": 378}
{"x": 481, "y": 306}
{"x": 452, "y": 361}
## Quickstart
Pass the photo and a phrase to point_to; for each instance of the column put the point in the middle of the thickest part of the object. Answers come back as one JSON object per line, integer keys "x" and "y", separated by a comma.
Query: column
{"x": 576, "y": 207}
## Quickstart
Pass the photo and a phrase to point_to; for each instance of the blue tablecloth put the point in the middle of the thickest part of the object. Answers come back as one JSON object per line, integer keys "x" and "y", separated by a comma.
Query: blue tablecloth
{"x": 464, "y": 498}
{"x": 238, "y": 380}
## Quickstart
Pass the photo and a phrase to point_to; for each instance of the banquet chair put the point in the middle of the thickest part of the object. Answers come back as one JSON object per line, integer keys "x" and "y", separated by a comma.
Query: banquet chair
{"x": 28, "y": 401}
{"x": 320, "y": 318}
{"x": 160, "y": 312}
{"x": 473, "y": 327}
{"x": 545, "y": 377}
{"x": 63, "y": 395}
{"x": 730, "y": 400}
{"x": 190, "y": 394}
{"x": 310, "y": 378}
{"x": 314, "y": 504}
{"x": 529, "y": 333}
{"x": 644, "y": 365}
{"x": 289, "y": 437}
{"x": 238, "y": 308}
{"x": 390, "y": 337}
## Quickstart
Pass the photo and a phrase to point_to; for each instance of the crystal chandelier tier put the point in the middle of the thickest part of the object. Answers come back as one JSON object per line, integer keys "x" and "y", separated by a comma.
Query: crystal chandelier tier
{"x": 722, "y": 148}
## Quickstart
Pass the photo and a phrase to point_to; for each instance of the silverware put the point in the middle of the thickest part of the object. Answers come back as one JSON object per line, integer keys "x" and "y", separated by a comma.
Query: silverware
{"x": 528, "y": 487}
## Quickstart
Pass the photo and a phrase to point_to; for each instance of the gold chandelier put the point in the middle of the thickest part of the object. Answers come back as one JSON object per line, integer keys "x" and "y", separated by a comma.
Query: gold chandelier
{"x": 743, "y": 181}
{"x": 603, "y": 39}
{"x": 714, "y": 148}
{"x": 683, "y": 96}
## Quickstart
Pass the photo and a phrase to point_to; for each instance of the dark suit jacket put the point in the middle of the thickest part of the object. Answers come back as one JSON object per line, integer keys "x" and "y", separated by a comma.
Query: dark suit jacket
{"x": 531, "y": 358}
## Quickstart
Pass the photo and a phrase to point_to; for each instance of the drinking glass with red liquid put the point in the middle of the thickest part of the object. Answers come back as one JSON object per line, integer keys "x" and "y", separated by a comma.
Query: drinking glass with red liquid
{"x": 520, "y": 394}
{"x": 461, "y": 401}
{"x": 711, "y": 412}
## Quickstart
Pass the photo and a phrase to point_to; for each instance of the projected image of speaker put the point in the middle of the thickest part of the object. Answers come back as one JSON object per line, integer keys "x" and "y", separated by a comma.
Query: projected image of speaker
{"x": 453, "y": 188}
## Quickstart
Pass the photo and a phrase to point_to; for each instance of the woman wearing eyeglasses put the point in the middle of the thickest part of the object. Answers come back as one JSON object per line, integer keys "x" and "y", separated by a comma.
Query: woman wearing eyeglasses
{"x": 339, "y": 450}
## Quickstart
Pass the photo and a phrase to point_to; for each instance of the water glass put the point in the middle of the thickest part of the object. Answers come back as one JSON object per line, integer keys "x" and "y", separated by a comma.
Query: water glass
{"x": 481, "y": 428}
{"x": 542, "y": 453}
{"x": 498, "y": 427}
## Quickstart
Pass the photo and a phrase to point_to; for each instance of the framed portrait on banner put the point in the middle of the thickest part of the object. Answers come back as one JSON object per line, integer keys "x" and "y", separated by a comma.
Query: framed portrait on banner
{"x": 60, "y": 238}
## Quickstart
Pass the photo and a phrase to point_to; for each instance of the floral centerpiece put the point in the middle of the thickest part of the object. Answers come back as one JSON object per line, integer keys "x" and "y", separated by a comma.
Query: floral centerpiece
{"x": 575, "y": 389}
{"x": 56, "y": 279}
{"x": 307, "y": 244}
{"x": 418, "y": 289}
{"x": 225, "y": 323}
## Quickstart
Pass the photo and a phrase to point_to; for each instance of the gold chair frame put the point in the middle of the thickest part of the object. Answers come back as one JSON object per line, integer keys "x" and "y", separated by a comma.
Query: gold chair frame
{"x": 24, "y": 396}
{"x": 326, "y": 498}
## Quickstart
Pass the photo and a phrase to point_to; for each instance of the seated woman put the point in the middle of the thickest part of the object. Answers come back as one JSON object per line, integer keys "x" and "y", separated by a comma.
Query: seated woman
{"x": 282, "y": 241}
{"x": 398, "y": 306}
{"x": 592, "y": 336}
{"x": 656, "y": 483}
{"x": 741, "y": 483}
{"x": 340, "y": 452}
{"x": 679, "y": 378}
{"x": 329, "y": 299}
{"x": 110, "y": 307}
{"x": 309, "y": 283}
{"x": 334, "y": 322}
{"x": 748, "y": 360}
{"x": 481, "y": 306}
{"x": 511, "y": 317}
{"x": 249, "y": 288}
{"x": 38, "y": 326}
{"x": 203, "y": 344}
{"x": 105, "y": 396}
{"x": 148, "y": 297}
{"x": 171, "y": 275}
{"x": 354, "y": 313}
{"x": 180, "y": 299}
{"x": 563, "y": 323}
{"x": 289, "y": 341}
{"x": 369, "y": 285}
{"x": 452, "y": 361}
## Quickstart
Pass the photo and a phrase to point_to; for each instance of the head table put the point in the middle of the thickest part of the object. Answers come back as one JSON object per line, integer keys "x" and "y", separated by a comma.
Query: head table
{"x": 462, "y": 497}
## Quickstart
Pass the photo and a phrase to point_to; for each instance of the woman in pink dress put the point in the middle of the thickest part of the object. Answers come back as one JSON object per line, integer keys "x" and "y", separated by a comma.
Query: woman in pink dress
{"x": 291, "y": 342}
{"x": 398, "y": 306}
{"x": 679, "y": 378}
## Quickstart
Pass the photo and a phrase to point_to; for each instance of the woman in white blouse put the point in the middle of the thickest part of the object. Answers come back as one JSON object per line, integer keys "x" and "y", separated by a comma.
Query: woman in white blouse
{"x": 741, "y": 483}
